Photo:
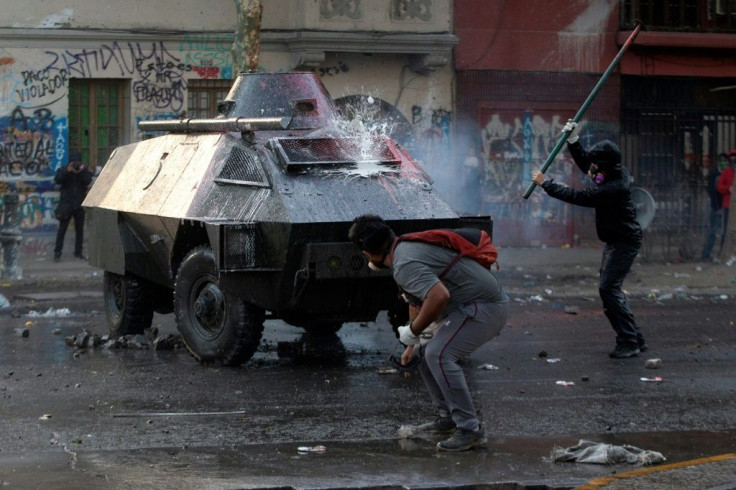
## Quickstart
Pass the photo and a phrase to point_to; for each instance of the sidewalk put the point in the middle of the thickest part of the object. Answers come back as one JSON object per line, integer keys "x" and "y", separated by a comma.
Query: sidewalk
{"x": 576, "y": 270}
{"x": 523, "y": 271}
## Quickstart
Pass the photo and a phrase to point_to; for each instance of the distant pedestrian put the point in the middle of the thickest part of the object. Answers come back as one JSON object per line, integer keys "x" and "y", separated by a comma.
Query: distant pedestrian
{"x": 616, "y": 226}
{"x": 715, "y": 218}
{"x": 725, "y": 187}
{"x": 74, "y": 180}
{"x": 468, "y": 304}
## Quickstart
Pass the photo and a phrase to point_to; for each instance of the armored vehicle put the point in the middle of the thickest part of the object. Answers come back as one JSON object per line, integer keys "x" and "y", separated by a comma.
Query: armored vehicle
{"x": 232, "y": 220}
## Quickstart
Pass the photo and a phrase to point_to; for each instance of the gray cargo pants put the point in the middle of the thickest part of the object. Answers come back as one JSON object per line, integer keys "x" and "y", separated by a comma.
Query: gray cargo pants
{"x": 461, "y": 333}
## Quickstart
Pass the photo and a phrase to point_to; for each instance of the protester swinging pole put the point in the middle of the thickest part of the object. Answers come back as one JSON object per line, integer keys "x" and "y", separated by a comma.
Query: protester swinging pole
{"x": 637, "y": 27}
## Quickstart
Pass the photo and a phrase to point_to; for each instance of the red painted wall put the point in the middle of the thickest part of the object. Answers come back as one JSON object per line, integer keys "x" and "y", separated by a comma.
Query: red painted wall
{"x": 536, "y": 35}
{"x": 579, "y": 36}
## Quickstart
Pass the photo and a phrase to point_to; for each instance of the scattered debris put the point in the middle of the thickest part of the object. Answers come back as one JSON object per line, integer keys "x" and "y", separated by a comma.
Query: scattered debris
{"x": 553, "y": 360}
{"x": 22, "y": 332}
{"x": 51, "y": 312}
{"x": 149, "y": 339}
{"x": 653, "y": 380}
{"x": 406, "y": 431}
{"x": 565, "y": 383}
{"x": 488, "y": 367}
{"x": 572, "y": 310}
{"x": 601, "y": 453}
{"x": 313, "y": 449}
{"x": 45, "y": 416}
{"x": 175, "y": 414}
{"x": 542, "y": 354}
{"x": 653, "y": 363}
{"x": 4, "y": 303}
{"x": 584, "y": 378}
{"x": 387, "y": 370}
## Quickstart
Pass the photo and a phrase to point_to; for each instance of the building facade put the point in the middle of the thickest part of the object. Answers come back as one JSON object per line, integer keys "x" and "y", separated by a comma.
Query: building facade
{"x": 75, "y": 78}
{"x": 524, "y": 68}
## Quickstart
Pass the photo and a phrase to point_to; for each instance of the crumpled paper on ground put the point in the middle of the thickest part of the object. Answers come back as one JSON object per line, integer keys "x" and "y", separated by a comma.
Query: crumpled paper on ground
{"x": 601, "y": 453}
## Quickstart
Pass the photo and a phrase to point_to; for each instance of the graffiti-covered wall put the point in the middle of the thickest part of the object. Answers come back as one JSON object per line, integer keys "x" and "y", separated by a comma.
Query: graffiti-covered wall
{"x": 156, "y": 74}
{"x": 34, "y": 103}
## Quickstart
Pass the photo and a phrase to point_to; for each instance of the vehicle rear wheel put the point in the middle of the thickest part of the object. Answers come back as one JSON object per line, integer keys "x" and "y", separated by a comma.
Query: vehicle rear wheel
{"x": 322, "y": 328}
{"x": 128, "y": 304}
{"x": 215, "y": 326}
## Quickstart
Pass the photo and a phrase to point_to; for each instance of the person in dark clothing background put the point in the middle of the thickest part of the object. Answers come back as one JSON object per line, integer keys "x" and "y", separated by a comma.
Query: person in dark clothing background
{"x": 616, "y": 226}
{"x": 74, "y": 180}
{"x": 715, "y": 225}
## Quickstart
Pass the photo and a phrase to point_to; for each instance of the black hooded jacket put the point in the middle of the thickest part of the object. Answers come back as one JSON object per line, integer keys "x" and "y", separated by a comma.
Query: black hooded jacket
{"x": 73, "y": 190}
{"x": 615, "y": 214}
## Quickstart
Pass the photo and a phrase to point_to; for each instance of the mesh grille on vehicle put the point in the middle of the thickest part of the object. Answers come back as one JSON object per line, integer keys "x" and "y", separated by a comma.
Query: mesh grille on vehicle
{"x": 241, "y": 244}
{"x": 241, "y": 168}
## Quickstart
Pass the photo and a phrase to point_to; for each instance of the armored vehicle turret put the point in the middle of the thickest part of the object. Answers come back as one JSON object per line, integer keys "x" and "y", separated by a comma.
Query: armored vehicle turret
{"x": 229, "y": 221}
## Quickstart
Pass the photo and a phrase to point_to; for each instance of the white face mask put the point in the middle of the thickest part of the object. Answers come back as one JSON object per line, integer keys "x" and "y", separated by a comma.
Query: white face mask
{"x": 373, "y": 267}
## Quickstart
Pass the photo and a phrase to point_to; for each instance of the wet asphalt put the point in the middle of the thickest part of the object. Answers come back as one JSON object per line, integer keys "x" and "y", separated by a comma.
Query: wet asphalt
{"x": 138, "y": 418}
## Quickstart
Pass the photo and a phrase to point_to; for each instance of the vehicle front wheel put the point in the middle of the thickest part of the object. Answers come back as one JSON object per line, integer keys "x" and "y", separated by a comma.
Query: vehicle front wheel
{"x": 128, "y": 305}
{"x": 215, "y": 326}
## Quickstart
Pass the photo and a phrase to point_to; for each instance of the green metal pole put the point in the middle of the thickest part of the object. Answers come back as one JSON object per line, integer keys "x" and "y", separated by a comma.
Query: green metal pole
{"x": 584, "y": 107}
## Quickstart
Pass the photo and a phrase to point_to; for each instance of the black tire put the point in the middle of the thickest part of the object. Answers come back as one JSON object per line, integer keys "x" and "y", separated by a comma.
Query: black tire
{"x": 216, "y": 327}
{"x": 322, "y": 328}
{"x": 128, "y": 304}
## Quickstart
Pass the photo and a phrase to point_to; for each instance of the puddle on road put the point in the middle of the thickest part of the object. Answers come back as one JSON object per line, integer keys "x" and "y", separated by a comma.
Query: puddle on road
{"x": 42, "y": 337}
{"x": 386, "y": 462}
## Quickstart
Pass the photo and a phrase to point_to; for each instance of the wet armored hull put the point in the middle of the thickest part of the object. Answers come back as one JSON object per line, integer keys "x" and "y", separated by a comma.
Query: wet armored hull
{"x": 253, "y": 216}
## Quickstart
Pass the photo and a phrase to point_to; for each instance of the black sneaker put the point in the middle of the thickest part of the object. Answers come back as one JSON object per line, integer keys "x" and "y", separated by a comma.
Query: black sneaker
{"x": 440, "y": 425}
{"x": 57, "y": 257}
{"x": 624, "y": 351}
{"x": 463, "y": 439}
{"x": 643, "y": 347}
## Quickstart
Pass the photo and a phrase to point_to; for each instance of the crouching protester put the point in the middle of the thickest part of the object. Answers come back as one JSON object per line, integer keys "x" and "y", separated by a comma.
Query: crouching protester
{"x": 468, "y": 304}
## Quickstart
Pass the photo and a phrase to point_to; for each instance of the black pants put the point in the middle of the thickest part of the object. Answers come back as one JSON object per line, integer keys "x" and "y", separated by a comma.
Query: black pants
{"x": 616, "y": 263}
{"x": 78, "y": 217}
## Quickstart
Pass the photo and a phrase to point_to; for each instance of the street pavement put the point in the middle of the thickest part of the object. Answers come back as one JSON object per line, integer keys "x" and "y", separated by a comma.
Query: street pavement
{"x": 557, "y": 271}
{"x": 535, "y": 278}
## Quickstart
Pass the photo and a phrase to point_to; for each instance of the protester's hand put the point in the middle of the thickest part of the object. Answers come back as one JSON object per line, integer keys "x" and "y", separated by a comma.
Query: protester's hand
{"x": 538, "y": 177}
{"x": 571, "y": 127}
{"x": 406, "y": 336}
{"x": 407, "y": 355}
